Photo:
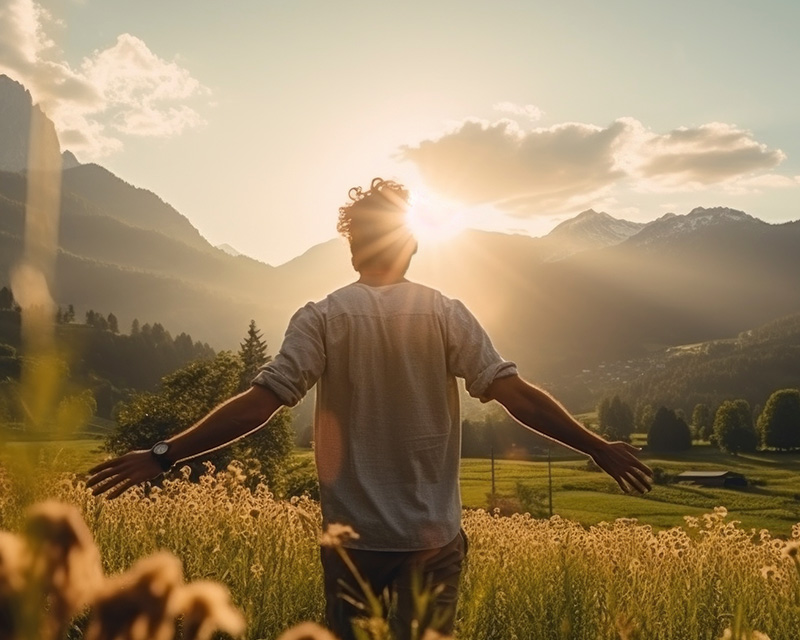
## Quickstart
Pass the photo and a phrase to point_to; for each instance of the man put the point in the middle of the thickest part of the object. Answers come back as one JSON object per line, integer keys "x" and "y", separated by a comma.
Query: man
{"x": 384, "y": 354}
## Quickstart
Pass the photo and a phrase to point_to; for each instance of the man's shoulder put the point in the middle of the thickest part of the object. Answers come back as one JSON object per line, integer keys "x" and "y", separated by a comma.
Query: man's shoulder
{"x": 406, "y": 296}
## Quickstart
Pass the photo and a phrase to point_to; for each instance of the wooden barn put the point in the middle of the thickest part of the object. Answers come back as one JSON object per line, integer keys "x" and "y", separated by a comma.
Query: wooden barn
{"x": 729, "y": 479}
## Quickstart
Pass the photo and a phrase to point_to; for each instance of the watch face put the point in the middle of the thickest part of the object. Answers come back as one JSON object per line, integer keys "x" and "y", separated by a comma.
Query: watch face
{"x": 161, "y": 448}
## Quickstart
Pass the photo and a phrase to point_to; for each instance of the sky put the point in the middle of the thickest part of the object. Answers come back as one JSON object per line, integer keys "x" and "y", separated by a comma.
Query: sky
{"x": 253, "y": 118}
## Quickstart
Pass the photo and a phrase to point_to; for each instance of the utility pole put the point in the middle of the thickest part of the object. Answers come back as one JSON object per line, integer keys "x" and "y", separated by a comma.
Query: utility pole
{"x": 491, "y": 452}
{"x": 549, "y": 482}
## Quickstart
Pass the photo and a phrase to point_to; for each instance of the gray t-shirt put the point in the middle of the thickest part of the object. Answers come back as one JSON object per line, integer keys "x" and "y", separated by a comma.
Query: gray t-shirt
{"x": 387, "y": 426}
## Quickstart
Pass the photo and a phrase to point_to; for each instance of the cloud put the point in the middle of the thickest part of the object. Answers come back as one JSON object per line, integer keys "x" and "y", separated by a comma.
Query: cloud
{"x": 541, "y": 171}
{"x": 757, "y": 184}
{"x": 123, "y": 90}
{"x": 710, "y": 154}
{"x": 527, "y": 110}
{"x": 546, "y": 169}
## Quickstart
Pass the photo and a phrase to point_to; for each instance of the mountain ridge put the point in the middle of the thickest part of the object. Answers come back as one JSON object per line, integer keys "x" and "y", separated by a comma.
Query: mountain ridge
{"x": 594, "y": 289}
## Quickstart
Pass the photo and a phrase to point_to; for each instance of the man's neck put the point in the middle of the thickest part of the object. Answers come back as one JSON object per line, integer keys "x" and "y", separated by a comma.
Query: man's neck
{"x": 380, "y": 278}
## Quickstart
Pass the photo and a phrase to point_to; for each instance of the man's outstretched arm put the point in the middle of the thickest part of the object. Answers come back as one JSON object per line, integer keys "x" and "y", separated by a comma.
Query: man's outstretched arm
{"x": 539, "y": 411}
{"x": 228, "y": 422}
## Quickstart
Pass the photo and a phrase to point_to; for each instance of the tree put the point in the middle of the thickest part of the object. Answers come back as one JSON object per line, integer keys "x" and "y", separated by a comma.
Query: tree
{"x": 253, "y": 354}
{"x": 645, "y": 414}
{"x": 615, "y": 419}
{"x": 733, "y": 427}
{"x": 187, "y": 395}
{"x": 96, "y": 320}
{"x": 6, "y": 299}
{"x": 75, "y": 411}
{"x": 702, "y": 421}
{"x": 668, "y": 433}
{"x": 135, "y": 327}
{"x": 113, "y": 323}
{"x": 779, "y": 423}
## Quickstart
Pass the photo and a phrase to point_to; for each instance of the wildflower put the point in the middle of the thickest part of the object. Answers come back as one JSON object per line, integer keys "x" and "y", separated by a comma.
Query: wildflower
{"x": 64, "y": 561}
{"x": 791, "y": 550}
{"x": 206, "y": 608}
{"x": 12, "y": 564}
{"x": 337, "y": 534}
{"x": 139, "y": 604}
{"x": 12, "y": 583}
{"x": 769, "y": 572}
{"x": 307, "y": 631}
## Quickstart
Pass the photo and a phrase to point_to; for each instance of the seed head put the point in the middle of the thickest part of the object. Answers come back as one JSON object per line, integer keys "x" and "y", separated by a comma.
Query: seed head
{"x": 307, "y": 631}
{"x": 337, "y": 534}
{"x": 206, "y": 608}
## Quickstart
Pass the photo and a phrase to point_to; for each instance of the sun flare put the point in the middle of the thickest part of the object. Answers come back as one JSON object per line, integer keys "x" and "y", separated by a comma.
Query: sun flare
{"x": 433, "y": 220}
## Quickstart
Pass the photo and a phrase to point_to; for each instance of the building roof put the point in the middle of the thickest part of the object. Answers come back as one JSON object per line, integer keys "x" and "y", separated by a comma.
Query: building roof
{"x": 708, "y": 474}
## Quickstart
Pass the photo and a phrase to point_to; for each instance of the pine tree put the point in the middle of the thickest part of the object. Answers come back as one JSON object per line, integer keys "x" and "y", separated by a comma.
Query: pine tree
{"x": 253, "y": 353}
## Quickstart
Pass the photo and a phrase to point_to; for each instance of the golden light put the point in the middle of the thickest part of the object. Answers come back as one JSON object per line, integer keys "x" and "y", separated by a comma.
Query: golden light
{"x": 433, "y": 220}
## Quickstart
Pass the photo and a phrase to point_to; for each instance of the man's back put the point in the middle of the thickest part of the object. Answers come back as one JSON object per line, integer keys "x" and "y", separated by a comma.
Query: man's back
{"x": 387, "y": 423}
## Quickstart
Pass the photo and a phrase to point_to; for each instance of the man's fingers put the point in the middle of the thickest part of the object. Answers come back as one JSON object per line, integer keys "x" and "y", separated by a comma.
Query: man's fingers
{"x": 105, "y": 465}
{"x": 101, "y": 476}
{"x": 639, "y": 480}
{"x": 622, "y": 485}
{"x": 121, "y": 488}
{"x": 638, "y": 483}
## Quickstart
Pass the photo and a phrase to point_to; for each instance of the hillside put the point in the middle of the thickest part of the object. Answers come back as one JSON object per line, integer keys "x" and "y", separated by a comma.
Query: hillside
{"x": 707, "y": 275}
{"x": 596, "y": 289}
{"x": 751, "y": 366}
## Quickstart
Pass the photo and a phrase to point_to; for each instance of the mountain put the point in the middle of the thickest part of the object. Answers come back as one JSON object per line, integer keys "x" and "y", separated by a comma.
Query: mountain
{"x": 594, "y": 290}
{"x": 586, "y": 231}
{"x": 18, "y": 117}
{"x": 229, "y": 250}
{"x": 670, "y": 227}
{"x": 137, "y": 207}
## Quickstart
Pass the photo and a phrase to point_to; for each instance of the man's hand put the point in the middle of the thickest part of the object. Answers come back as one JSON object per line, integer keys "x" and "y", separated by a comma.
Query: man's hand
{"x": 618, "y": 459}
{"x": 229, "y": 421}
{"x": 120, "y": 474}
{"x": 539, "y": 411}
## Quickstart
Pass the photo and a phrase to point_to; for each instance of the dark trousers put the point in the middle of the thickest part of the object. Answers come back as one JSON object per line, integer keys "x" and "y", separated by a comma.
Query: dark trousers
{"x": 392, "y": 574}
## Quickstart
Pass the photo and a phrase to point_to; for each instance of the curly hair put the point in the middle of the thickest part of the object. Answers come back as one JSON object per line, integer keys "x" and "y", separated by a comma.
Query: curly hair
{"x": 374, "y": 222}
{"x": 385, "y": 201}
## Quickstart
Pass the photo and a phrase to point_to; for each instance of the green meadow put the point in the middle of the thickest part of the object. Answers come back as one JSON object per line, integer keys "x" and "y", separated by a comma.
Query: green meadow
{"x": 771, "y": 500}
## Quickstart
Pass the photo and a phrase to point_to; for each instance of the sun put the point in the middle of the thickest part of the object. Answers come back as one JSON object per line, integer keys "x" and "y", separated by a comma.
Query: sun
{"x": 433, "y": 220}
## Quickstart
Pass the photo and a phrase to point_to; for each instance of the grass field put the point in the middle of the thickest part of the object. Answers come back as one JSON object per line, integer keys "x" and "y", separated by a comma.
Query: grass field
{"x": 589, "y": 497}
{"x": 525, "y": 577}
{"x": 772, "y": 501}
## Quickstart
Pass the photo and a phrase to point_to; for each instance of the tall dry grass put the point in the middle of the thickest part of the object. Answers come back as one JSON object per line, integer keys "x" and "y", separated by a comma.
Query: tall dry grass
{"x": 525, "y": 578}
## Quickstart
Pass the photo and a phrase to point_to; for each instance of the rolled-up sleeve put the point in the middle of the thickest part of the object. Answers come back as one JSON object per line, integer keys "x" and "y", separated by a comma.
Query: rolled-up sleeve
{"x": 470, "y": 353}
{"x": 301, "y": 359}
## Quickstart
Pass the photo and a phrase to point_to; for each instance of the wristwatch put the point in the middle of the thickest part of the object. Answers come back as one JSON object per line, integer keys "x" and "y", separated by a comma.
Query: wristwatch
{"x": 159, "y": 451}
